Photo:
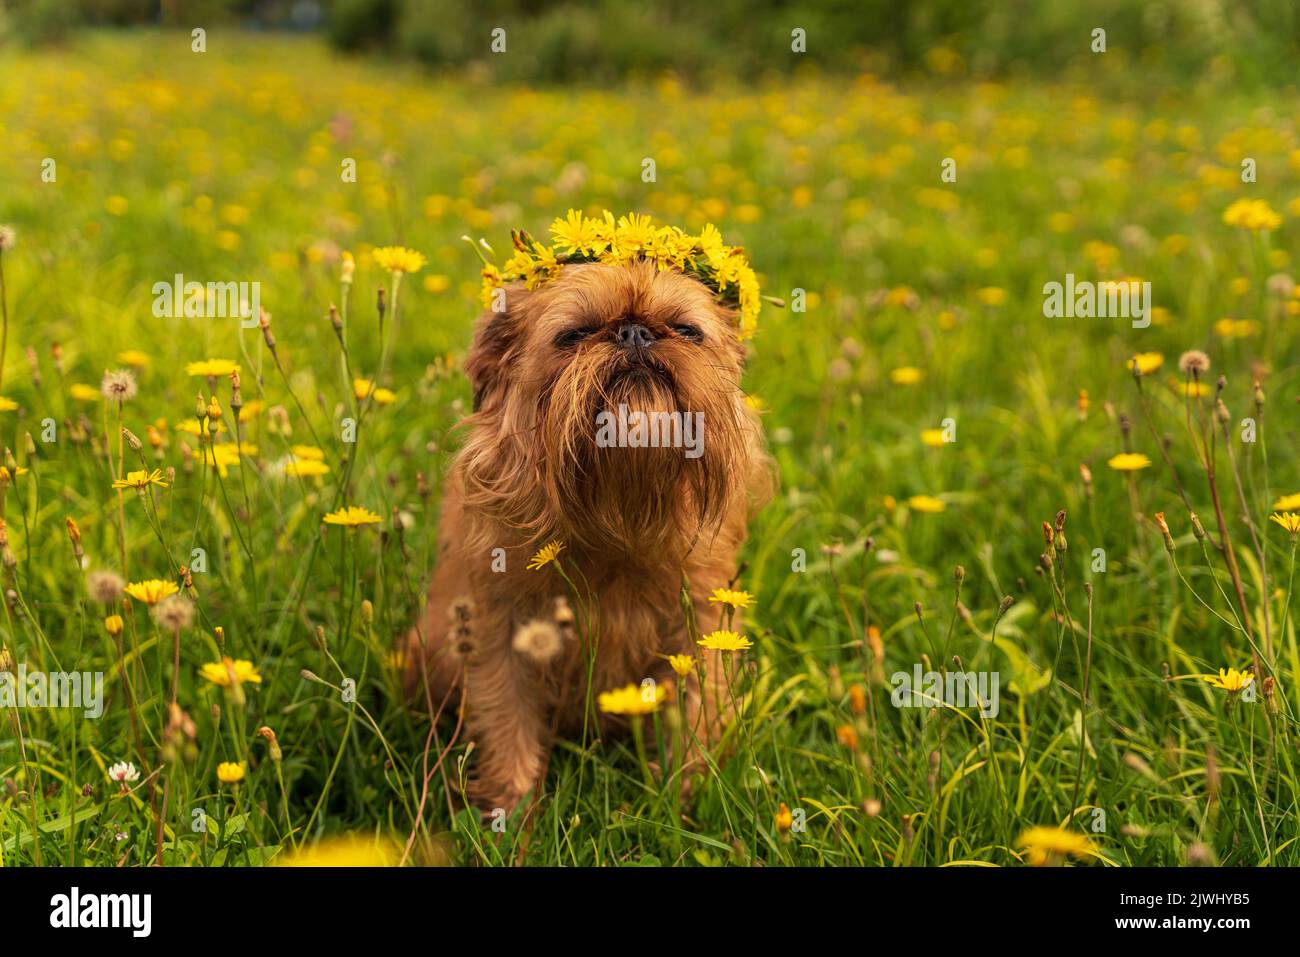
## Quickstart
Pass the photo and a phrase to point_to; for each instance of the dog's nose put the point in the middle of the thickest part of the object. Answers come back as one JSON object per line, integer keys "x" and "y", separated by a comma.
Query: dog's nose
{"x": 633, "y": 335}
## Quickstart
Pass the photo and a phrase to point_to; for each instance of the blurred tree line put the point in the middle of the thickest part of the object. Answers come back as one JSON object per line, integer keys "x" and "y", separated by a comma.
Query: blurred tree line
{"x": 601, "y": 40}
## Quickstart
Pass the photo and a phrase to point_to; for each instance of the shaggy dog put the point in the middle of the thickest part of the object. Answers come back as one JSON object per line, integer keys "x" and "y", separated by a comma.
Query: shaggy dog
{"x": 647, "y": 531}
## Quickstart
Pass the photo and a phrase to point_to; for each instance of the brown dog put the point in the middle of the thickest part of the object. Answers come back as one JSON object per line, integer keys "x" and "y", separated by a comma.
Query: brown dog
{"x": 636, "y": 522}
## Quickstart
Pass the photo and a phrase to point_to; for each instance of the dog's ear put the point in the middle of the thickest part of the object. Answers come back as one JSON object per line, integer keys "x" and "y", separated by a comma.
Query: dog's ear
{"x": 495, "y": 334}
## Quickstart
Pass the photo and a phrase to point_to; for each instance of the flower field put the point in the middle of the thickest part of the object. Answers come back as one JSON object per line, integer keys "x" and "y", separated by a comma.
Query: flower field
{"x": 233, "y": 523}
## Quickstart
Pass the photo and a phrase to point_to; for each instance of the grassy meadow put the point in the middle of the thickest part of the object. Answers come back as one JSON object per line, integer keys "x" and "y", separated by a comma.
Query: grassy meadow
{"x": 927, "y": 418}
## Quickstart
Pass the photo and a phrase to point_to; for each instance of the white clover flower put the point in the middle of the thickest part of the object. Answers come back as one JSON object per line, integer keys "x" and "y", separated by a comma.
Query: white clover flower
{"x": 124, "y": 772}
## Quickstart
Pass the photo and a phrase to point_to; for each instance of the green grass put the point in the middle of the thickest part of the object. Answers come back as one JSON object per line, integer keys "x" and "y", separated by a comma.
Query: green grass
{"x": 225, "y": 166}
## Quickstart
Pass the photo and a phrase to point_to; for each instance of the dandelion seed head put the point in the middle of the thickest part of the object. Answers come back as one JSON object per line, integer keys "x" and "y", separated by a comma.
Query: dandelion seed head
{"x": 104, "y": 586}
{"x": 118, "y": 386}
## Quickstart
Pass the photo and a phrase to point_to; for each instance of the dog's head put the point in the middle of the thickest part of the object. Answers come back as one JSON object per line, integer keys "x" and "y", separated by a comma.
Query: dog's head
{"x": 562, "y": 379}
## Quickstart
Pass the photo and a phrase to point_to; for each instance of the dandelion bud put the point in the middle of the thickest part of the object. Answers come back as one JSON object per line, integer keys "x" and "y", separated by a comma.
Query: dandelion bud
{"x": 200, "y": 406}
{"x": 213, "y": 412}
{"x": 346, "y": 269}
{"x": 1221, "y": 412}
{"x": 1211, "y": 772}
{"x": 1164, "y": 530}
{"x": 857, "y": 699}
{"x": 335, "y": 320}
{"x": 834, "y": 683}
{"x": 29, "y": 444}
{"x": 1259, "y": 396}
{"x": 1083, "y": 404}
{"x": 220, "y": 634}
{"x": 6, "y": 659}
{"x": 272, "y": 745}
{"x": 367, "y": 611}
{"x": 1006, "y": 602}
{"x": 959, "y": 574}
{"x": 1085, "y": 473}
{"x": 113, "y": 624}
{"x": 1267, "y": 688}
{"x": 784, "y": 819}
{"x": 380, "y": 303}
{"x": 132, "y": 440}
{"x": 1197, "y": 528}
{"x": 1048, "y": 533}
{"x": 320, "y": 637}
{"x": 916, "y": 607}
{"x": 871, "y": 807}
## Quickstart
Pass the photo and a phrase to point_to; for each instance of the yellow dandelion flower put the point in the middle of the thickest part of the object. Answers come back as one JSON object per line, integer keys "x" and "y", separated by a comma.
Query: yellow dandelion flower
{"x": 352, "y": 850}
{"x": 1287, "y": 503}
{"x": 632, "y": 699}
{"x": 307, "y": 452}
{"x": 1229, "y": 679}
{"x": 152, "y": 590}
{"x": 308, "y": 468}
{"x": 545, "y": 555}
{"x": 1146, "y": 362}
{"x": 725, "y": 641}
{"x": 84, "y": 393}
{"x": 1128, "y": 462}
{"x": 1051, "y": 845}
{"x": 906, "y": 375}
{"x": 352, "y": 516}
{"x": 1254, "y": 214}
{"x": 1191, "y": 390}
{"x": 933, "y": 438}
{"x": 682, "y": 664}
{"x": 231, "y": 672}
{"x": 926, "y": 503}
{"x": 733, "y": 598}
{"x": 141, "y": 480}
{"x": 575, "y": 233}
{"x": 7, "y": 404}
{"x": 1288, "y": 520}
{"x": 230, "y": 772}
{"x": 784, "y": 819}
{"x": 211, "y": 368}
{"x": 398, "y": 259}
{"x": 135, "y": 358}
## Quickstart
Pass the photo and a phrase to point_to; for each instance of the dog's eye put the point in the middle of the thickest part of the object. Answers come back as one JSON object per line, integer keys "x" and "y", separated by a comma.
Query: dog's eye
{"x": 689, "y": 332}
{"x": 571, "y": 337}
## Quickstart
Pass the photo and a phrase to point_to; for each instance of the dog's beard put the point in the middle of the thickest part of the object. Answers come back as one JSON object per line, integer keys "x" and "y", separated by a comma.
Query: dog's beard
{"x": 640, "y": 500}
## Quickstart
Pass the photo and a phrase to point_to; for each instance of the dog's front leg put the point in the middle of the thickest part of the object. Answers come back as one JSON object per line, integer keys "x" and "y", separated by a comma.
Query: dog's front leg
{"x": 505, "y": 720}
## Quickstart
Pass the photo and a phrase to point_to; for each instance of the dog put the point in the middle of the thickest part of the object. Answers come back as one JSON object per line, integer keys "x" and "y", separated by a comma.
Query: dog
{"x": 638, "y": 525}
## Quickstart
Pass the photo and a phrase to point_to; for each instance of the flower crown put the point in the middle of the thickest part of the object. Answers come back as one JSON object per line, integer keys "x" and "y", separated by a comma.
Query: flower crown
{"x": 582, "y": 239}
